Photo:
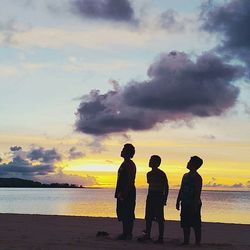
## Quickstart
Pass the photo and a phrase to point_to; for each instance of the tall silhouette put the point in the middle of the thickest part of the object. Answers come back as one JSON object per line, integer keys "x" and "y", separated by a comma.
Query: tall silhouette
{"x": 190, "y": 201}
{"x": 125, "y": 192}
{"x": 156, "y": 198}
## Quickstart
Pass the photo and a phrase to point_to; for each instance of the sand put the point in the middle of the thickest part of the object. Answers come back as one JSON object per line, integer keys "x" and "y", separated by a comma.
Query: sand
{"x": 45, "y": 232}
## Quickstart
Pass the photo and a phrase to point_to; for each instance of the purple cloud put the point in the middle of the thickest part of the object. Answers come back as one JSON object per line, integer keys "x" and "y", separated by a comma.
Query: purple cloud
{"x": 20, "y": 167}
{"x": 75, "y": 154}
{"x": 231, "y": 22}
{"x": 114, "y": 10}
{"x": 15, "y": 148}
{"x": 44, "y": 170}
{"x": 178, "y": 88}
{"x": 44, "y": 155}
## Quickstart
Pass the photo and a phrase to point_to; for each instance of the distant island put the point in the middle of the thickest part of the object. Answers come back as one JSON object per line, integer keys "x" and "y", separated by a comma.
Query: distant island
{"x": 21, "y": 183}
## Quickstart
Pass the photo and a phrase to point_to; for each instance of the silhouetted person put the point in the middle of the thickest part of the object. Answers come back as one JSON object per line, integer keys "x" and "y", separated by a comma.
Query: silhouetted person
{"x": 125, "y": 192}
{"x": 189, "y": 198}
{"x": 156, "y": 199}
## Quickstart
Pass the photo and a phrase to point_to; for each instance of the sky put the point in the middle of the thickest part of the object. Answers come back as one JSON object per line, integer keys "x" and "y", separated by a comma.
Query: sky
{"x": 80, "y": 78}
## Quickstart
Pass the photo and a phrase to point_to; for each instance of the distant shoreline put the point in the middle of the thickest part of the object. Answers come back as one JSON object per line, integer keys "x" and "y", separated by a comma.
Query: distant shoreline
{"x": 22, "y": 183}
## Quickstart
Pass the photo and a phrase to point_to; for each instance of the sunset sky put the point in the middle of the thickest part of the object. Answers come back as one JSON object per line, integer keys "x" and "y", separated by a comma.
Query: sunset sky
{"x": 79, "y": 78}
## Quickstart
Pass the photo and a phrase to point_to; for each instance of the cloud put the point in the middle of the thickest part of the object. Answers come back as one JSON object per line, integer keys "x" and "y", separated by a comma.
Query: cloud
{"x": 178, "y": 89}
{"x": 38, "y": 164}
{"x": 114, "y": 10}
{"x": 7, "y": 29}
{"x": 101, "y": 37}
{"x": 169, "y": 20}
{"x": 231, "y": 22}
{"x": 237, "y": 185}
{"x": 60, "y": 177}
{"x": 209, "y": 137}
{"x": 214, "y": 184}
{"x": 15, "y": 148}
{"x": 74, "y": 154}
{"x": 20, "y": 167}
{"x": 246, "y": 108}
{"x": 44, "y": 155}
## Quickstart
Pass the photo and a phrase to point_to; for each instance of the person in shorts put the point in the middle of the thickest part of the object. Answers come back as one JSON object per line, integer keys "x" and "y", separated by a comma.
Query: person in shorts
{"x": 125, "y": 192}
{"x": 156, "y": 199}
{"x": 190, "y": 201}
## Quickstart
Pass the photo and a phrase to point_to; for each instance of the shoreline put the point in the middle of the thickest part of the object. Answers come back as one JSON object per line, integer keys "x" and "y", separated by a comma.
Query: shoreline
{"x": 40, "y": 232}
{"x": 112, "y": 218}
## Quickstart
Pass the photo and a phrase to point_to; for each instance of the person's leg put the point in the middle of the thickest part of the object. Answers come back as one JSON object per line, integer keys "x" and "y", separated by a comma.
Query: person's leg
{"x": 161, "y": 232}
{"x": 124, "y": 227}
{"x": 161, "y": 229}
{"x": 129, "y": 228}
{"x": 197, "y": 231}
{"x": 186, "y": 233}
{"x": 148, "y": 228}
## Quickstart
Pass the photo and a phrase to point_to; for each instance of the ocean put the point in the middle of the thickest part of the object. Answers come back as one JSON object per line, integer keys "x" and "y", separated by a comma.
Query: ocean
{"x": 218, "y": 206}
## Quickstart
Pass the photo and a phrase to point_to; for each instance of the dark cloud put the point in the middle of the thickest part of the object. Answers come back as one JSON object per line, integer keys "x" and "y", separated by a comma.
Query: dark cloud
{"x": 44, "y": 155}
{"x": 231, "y": 22}
{"x": 178, "y": 89}
{"x": 1, "y": 159}
{"x": 115, "y": 10}
{"x": 15, "y": 148}
{"x": 20, "y": 167}
{"x": 75, "y": 154}
{"x": 180, "y": 85}
{"x": 169, "y": 20}
{"x": 248, "y": 184}
{"x": 39, "y": 165}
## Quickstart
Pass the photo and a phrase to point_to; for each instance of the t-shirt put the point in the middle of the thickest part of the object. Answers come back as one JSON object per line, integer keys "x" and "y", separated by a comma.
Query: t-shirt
{"x": 190, "y": 187}
{"x": 158, "y": 182}
{"x": 126, "y": 178}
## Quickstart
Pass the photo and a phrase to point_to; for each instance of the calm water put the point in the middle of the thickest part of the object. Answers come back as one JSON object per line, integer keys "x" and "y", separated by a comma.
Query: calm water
{"x": 218, "y": 206}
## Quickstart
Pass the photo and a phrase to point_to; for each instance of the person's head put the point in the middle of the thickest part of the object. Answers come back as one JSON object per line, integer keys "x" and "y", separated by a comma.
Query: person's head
{"x": 194, "y": 163}
{"x": 155, "y": 161}
{"x": 128, "y": 151}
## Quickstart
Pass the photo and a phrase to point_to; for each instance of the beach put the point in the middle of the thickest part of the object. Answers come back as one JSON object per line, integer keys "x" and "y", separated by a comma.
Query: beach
{"x": 50, "y": 232}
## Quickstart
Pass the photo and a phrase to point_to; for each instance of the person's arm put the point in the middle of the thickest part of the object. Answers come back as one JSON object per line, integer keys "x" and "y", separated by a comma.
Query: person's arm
{"x": 166, "y": 189}
{"x": 179, "y": 197}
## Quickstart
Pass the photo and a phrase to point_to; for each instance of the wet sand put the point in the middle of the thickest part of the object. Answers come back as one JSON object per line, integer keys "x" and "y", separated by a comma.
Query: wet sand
{"x": 46, "y": 232}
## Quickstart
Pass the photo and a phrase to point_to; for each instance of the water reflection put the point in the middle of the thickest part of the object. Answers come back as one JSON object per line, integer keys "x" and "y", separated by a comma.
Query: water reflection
{"x": 218, "y": 206}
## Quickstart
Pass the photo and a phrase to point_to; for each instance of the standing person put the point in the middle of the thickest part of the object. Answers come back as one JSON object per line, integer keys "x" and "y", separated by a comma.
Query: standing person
{"x": 189, "y": 198}
{"x": 125, "y": 192}
{"x": 156, "y": 199}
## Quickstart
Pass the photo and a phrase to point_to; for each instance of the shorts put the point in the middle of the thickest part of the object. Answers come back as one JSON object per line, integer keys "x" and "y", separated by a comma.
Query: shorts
{"x": 155, "y": 208}
{"x": 190, "y": 217}
{"x": 125, "y": 209}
